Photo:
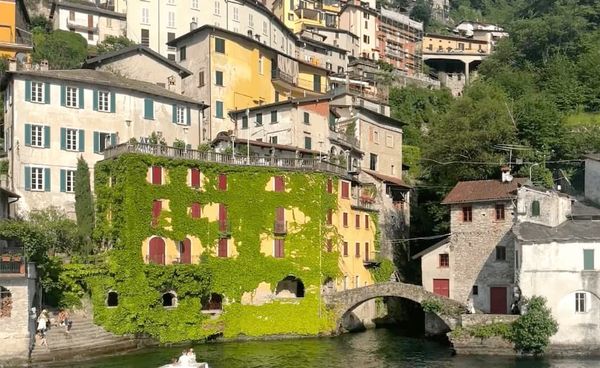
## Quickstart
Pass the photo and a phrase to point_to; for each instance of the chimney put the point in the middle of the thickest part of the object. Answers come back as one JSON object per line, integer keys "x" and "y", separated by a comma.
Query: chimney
{"x": 506, "y": 177}
{"x": 12, "y": 65}
{"x": 44, "y": 65}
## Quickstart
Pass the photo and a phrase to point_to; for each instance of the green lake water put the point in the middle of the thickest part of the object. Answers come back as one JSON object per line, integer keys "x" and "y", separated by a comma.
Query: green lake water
{"x": 370, "y": 349}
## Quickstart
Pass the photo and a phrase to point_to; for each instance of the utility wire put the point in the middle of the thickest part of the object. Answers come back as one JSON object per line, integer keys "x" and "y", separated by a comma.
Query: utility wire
{"x": 496, "y": 163}
{"x": 399, "y": 240}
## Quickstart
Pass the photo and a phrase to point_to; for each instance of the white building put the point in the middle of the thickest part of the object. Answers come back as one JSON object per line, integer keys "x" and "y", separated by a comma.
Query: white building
{"x": 557, "y": 256}
{"x": 54, "y": 117}
{"x": 360, "y": 18}
{"x": 154, "y": 22}
{"x": 92, "y": 22}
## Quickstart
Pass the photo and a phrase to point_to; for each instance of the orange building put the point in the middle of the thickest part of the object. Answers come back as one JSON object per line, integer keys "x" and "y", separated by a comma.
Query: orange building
{"x": 15, "y": 39}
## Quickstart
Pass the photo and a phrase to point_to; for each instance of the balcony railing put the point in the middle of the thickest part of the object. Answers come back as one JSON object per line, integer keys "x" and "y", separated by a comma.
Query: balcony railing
{"x": 300, "y": 164}
{"x": 12, "y": 261}
{"x": 280, "y": 227}
{"x": 344, "y": 138}
{"x": 74, "y": 25}
{"x": 277, "y": 74}
{"x": 17, "y": 36}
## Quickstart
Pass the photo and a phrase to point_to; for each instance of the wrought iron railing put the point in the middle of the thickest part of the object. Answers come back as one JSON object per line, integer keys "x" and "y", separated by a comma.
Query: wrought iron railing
{"x": 12, "y": 260}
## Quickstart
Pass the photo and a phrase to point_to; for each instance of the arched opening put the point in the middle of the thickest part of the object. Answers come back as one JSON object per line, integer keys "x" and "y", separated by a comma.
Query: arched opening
{"x": 156, "y": 251}
{"x": 5, "y": 302}
{"x": 112, "y": 299}
{"x": 185, "y": 251}
{"x": 213, "y": 302}
{"x": 169, "y": 300}
{"x": 290, "y": 287}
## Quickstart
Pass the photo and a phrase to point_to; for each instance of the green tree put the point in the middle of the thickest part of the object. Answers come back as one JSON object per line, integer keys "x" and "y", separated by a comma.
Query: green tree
{"x": 532, "y": 331}
{"x": 84, "y": 203}
{"x": 421, "y": 12}
{"x": 40, "y": 23}
{"x": 62, "y": 49}
{"x": 113, "y": 43}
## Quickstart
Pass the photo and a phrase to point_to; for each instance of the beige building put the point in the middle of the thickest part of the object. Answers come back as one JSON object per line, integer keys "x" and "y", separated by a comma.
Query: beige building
{"x": 92, "y": 22}
{"x": 141, "y": 63}
{"x": 336, "y": 37}
{"x": 360, "y": 18}
{"x": 54, "y": 117}
{"x": 153, "y": 23}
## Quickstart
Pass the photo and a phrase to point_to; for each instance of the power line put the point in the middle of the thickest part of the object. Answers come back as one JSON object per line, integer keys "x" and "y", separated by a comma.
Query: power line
{"x": 399, "y": 240}
{"x": 444, "y": 163}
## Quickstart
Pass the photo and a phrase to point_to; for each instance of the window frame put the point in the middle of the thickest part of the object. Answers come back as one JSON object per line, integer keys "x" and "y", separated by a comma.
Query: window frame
{"x": 72, "y": 97}
{"x": 37, "y": 90}
{"x": 581, "y": 302}
{"x": 467, "y": 213}
{"x": 500, "y": 212}
{"x": 37, "y": 179}
{"x": 72, "y": 140}
{"x": 500, "y": 251}
{"x": 444, "y": 260}
{"x": 33, "y": 137}
{"x": 100, "y": 101}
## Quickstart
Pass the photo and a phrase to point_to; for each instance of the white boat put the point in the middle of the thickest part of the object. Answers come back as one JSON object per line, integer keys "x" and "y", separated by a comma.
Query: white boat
{"x": 190, "y": 365}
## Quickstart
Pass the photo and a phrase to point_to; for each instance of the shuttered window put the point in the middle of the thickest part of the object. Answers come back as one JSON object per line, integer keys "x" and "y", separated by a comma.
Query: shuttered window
{"x": 588, "y": 259}
{"x": 156, "y": 175}
{"x": 195, "y": 178}
{"x": 222, "y": 185}
{"x": 329, "y": 217}
{"x": 345, "y": 249}
{"x": 345, "y": 189}
{"x": 156, "y": 209}
{"x": 195, "y": 210}
{"x": 535, "y": 208}
{"x": 329, "y": 186}
{"x": 345, "y": 219}
{"x": 279, "y": 184}
{"x": 279, "y": 248}
{"x": 149, "y": 109}
{"x": 222, "y": 251}
{"x": 357, "y": 221}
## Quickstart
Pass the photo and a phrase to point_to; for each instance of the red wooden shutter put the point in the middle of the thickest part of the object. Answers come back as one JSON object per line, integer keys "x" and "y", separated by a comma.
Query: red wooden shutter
{"x": 329, "y": 186}
{"x": 345, "y": 219}
{"x": 156, "y": 175}
{"x": 279, "y": 248}
{"x": 345, "y": 190}
{"x": 279, "y": 184}
{"x": 357, "y": 250}
{"x": 222, "y": 252}
{"x": 345, "y": 249}
{"x": 279, "y": 214}
{"x": 157, "y": 251}
{"x": 357, "y": 221}
{"x": 329, "y": 217}
{"x": 222, "y": 217}
{"x": 366, "y": 221}
{"x": 222, "y": 182}
{"x": 195, "y": 174}
{"x": 196, "y": 210}
{"x": 366, "y": 251}
{"x": 185, "y": 251}
{"x": 156, "y": 209}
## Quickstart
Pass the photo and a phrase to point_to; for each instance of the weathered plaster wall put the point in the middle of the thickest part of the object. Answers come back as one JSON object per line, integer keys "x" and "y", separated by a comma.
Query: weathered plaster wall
{"x": 592, "y": 180}
{"x": 15, "y": 330}
{"x": 554, "y": 208}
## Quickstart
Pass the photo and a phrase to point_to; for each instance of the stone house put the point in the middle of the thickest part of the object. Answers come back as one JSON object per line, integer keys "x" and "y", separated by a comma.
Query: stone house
{"x": 557, "y": 243}
{"x": 475, "y": 263}
{"x": 592, "y": 177}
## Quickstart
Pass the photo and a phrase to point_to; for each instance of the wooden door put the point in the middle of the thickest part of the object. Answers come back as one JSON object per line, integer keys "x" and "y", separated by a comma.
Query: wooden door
{"x": 157, "y": 251}
{"x": 498, "y": 300}
{"x": 222, "y": 251}
{"x": 185, "y": 251}
{"x": 441, "y": 287}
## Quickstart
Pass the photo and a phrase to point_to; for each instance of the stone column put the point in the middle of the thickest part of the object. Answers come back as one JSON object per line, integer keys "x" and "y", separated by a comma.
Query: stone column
{"x": 467, "y": 63}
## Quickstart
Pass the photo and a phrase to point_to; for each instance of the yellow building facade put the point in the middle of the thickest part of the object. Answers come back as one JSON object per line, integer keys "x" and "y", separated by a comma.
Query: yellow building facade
{"x": 296, "y": 14}
{"x": 15, "y": 38}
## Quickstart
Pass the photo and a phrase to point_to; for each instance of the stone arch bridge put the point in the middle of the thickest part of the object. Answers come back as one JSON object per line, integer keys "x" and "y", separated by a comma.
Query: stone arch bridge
{"x": 343, "y": 302}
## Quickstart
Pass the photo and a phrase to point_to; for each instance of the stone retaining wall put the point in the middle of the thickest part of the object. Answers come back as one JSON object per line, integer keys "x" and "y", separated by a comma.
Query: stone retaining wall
{"x": 486, "y": 319}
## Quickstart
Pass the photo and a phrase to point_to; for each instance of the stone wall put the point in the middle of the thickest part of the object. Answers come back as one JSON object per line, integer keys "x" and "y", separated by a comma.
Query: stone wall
{"x": 16, "y": 330}
{"x": 592, "y": 180}
{"x": 554, "y": 207}
{"x": 482, "y": 319}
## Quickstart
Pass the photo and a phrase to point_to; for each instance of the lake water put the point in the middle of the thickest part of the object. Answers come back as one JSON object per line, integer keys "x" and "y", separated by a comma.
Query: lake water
{"x": 370, "y": 349}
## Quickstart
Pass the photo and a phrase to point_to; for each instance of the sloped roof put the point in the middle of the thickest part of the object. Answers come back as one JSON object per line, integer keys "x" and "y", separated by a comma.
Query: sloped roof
{"x": 135, "y": 49}
{"x": 388, "y": 179}
{"x": 593, "y": 156}
{"x": 432, "y": 248}
{"x": 568, "y": 231}
{"x": 483, "y": 191}
{"x": 108, "y": 79}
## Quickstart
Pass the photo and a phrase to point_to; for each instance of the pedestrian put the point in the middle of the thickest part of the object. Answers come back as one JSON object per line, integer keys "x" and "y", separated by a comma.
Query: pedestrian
{"x": 42, "y": 322}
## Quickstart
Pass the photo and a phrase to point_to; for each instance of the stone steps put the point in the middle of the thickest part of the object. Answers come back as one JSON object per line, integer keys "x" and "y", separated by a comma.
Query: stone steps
{"x": 85, "y": 340}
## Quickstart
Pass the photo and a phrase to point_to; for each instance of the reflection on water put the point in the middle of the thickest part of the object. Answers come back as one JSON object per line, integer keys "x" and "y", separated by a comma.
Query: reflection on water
{"x": 372, "y": 349}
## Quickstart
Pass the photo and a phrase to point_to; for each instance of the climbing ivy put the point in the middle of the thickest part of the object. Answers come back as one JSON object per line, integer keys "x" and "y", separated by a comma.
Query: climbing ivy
{"x": 124, "y": 207}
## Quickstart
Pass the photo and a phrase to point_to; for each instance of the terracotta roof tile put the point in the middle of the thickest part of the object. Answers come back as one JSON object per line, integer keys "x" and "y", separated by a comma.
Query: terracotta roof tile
{"x": 483, "y": 191}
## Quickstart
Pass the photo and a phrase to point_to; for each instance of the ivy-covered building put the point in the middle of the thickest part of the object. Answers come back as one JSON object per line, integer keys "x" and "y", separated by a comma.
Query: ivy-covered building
{"x": 205, "y": 243}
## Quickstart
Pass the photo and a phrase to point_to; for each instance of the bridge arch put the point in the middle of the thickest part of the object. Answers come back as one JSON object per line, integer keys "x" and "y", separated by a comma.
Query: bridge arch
{"x": 343, "y": 302}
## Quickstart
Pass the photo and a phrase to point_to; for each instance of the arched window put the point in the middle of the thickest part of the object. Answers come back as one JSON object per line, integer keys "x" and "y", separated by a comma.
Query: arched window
{"x": 535, "y": 208}
{"x": 290, "y": 287}
{"x": 169, "y": 300}
{"x": 212, "y": 302}
{"x": 185, "y": 251}
{"x": 5, "y": 302}
{"x": 112, "y": 299}
{"x": 156, "y": 251}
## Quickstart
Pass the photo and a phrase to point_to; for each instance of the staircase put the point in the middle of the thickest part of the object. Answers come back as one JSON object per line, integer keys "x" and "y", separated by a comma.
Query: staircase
{"x": 85, "y": 341}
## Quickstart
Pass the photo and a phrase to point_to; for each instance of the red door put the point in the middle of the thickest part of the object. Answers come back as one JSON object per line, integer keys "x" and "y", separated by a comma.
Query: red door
{"x": 222, "y": 251}
{"x": 185, "y": 251}
{"x": 156, "y": 175}
{"x": 157, "y": 251}
{"x": 441, "y": 287}
{"x": 498, "y": 302}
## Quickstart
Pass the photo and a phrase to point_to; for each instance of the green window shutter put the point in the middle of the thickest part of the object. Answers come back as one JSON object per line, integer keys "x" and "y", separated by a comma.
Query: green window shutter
{"x": 588, "y": 259}
{"x": 81, "y": 140}
{"x": 96, "y": 142}
{"x": 113, "y": 102}
{"x": 63, "y": 180}
{"x": 47, "y": 179}
{"x": 27, "y": 134}
{"x": 113, "y": 139}
{"x": 174, "y": 113}
{"x": 95, "y": 102}
{"x": 46, "y": 137}
{"x": 27, "y": 90}
{"x": 81, "y": 97}
{"x": 148, "y": 109}
{"x": 535, "y": 208}
{"x": 219, "y": 109}
{"x": 27, "y": 178}
{"x": 47, "y": 93}
{"x": 63, "y": 139}
{"x": 189, "y": 116}
{"x": 63, "y": 96}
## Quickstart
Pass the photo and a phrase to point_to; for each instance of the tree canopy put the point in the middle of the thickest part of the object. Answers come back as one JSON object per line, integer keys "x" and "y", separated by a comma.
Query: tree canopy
{"x": 113, "y": 43}
{"x": 62, "y": 49}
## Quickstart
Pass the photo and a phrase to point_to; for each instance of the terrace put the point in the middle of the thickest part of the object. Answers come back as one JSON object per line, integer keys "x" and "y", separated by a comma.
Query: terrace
{"x": 12, "y": 262}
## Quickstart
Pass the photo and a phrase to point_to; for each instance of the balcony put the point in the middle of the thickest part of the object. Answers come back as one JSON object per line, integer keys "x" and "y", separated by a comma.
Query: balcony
{"x": 76, "y": 26}
{"x": 280, "y": 227}
{"x": 295, "y": 164}
{"x": 345, "y": 139}
{"x": 277, "y": 74}
{"x": 15, "y": 39}
{"x": 12, "y": 262}
{"x": 309, "y": 10}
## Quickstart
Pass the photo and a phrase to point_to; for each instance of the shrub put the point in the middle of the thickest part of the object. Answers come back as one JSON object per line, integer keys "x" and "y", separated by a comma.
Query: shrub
{"x": 432, "y": 305}
{"x": 532, "y": 331}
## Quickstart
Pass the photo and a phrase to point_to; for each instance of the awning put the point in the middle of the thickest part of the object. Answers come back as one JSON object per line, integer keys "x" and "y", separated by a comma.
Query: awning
{"x": 388, "y": 179}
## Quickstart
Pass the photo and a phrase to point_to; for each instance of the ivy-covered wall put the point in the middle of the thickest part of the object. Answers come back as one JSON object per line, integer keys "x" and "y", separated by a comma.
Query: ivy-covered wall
{"x": 124, "y": 218}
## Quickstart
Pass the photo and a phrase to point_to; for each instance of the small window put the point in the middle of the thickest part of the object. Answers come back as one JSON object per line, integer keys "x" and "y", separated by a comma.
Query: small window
{"x": 222, "y": 184}
{"x": 499, "y": 212}
{"x": 345, "y": 194}
{"x": 535, "y": 209}
{"x": 182, "y": 53}
{"x": 330, "y": 217}
{"x": 201, "y": 79}
{"x": 259, "y": 119}
{"x": 156, "y": 175}
{"x": 180, "y": 114}
{"x": 580, "y": 300}
{"x": 72, "y": 97}
{"x": 345, "y": 219}
{"x": 219, "y": 109}
{"x": 475, "y": 290}
{"x": 212, "y": 303}
{"x": 279, "y": 184}
{"x": 467, "y": 212}
{"x": 112, "y": 299}
{"x": 357, "y": 250}
{"x": 219, "y": 78}
{"x": 307, "y": 143}
{"x": 345, "y": 249}
{"x": 500, "y": 253}
{"x": 373, "y": 162}
{"x": 273, "y": 116}
{"x": 357, "y": 221}
{"x": 444, "y": 260}
{"x": 145, "y": 39}
{"x": 220, "y": 45}
{"x": 245, "y": 122}
{"x": 367, "y": 221}
{"x": 37, "y": 92}
{"x": 588, "y": 259}
{"x": 329, "y": 186}
{"x": 36, "y": 136}
{"x": 69, "y": 181}
{"x": 306, "y": 118}
{"x": 104, "y": 101}
{"x": 169, "y": 300}
{"x": 71, "y": 139}
{"x": 195, "y": 178}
